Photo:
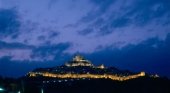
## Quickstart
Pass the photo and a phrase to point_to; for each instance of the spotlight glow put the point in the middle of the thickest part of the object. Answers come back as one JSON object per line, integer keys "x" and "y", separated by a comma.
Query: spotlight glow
{"x": 1, "y": 89}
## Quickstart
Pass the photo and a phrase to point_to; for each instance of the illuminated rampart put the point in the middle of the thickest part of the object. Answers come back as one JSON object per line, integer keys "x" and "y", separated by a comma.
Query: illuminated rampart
{"x": 92, "y": 76}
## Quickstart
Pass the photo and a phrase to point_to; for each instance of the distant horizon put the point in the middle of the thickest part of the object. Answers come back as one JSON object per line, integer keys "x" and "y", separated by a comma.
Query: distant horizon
{"x": 85, "y": 59}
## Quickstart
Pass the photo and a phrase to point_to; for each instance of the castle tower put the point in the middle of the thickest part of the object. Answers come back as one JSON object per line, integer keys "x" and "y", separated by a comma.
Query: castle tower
{"x": 79, "y": 60}
{"x": 142, "y": 73}
{"x": 101, "y": 66}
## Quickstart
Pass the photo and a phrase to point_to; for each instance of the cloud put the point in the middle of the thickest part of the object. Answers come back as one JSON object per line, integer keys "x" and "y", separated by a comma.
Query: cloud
{"x": 89, "y": 25}
{"x": 85, "y": 31}
{"x": 21, "y": 52}
{"x": 15, "y": 51}
{"x": 13, "y": 45}
{"x": 151, "y": 56}
{"x": 100, "y": 8}
{"x": 124, "y": 13}
{"x": 123, "y": 23}
{"x": 24, "y": 55}
{"x": 9, "y": 22}
{"x": 16, "y": 54}
{"x": 53, "y": 50}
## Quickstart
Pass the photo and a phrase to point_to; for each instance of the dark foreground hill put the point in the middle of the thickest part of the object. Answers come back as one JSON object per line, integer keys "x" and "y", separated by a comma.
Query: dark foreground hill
{"x": 139, "y": 85}
{"x": 53, "y": 85}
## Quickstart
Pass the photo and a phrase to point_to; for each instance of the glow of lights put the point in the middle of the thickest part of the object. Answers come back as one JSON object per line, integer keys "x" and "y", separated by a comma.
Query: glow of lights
{"x": 59, "y": 81}
{"x": 42, "y": 91}
{"x": 91, "y": 76}
{"x": 1, "y": 89}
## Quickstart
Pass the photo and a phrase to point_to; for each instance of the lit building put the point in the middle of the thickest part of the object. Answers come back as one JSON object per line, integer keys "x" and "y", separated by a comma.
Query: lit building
{"x": 142, "y": 73}
{"x": 79, "y": 61}
{"x": 101, "y": 66}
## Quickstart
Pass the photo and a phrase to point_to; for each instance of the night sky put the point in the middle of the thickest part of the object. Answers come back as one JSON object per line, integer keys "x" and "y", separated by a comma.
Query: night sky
{"x": 127, "y": 34}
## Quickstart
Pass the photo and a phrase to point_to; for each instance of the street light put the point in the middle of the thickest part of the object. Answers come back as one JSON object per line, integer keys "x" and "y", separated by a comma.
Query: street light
{"x": 42, "y": 91}
{"x": 1, "y": 89}
{"x": 19, "y": 91}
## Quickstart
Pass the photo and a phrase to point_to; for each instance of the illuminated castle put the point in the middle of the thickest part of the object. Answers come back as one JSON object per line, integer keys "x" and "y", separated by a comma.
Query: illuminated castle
{"x": 79, "y": 67}
{"x": 79, "y": 61}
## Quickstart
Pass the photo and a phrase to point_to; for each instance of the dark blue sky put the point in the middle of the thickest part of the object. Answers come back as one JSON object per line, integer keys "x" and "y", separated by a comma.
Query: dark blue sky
{"x": 127, "y": 34}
